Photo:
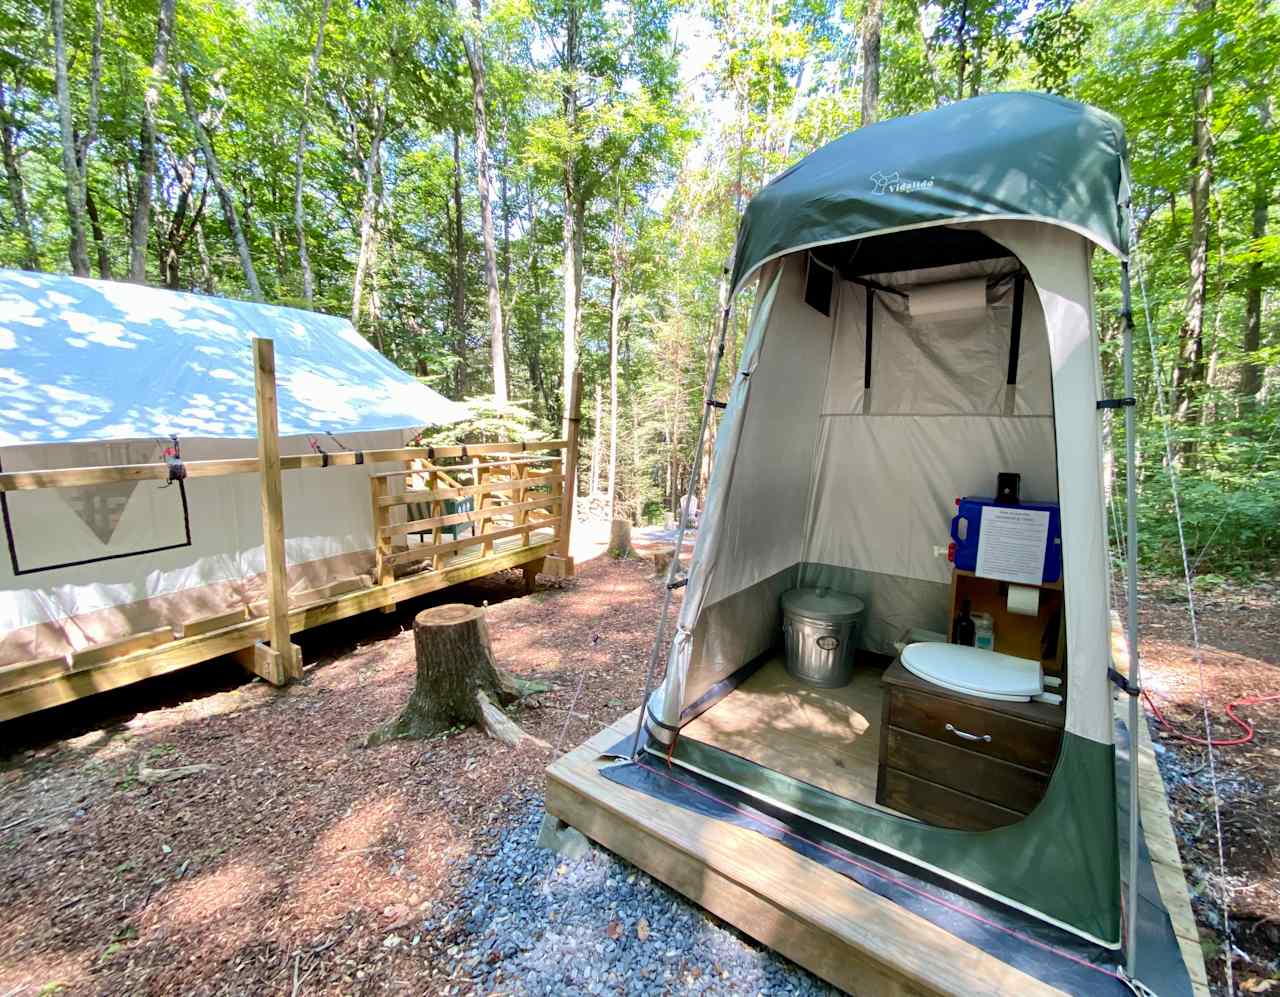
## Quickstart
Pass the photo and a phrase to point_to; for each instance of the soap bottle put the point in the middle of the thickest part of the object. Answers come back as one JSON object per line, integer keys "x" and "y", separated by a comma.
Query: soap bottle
{"x": 964, "y": 629}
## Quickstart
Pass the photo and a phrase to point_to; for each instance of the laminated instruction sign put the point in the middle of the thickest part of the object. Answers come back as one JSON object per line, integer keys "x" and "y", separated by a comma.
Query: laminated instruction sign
{"x": 1011, "y": 544}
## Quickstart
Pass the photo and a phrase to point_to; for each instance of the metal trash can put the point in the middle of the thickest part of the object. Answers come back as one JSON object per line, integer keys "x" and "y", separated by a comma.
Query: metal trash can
{"x": 821, "y": 629}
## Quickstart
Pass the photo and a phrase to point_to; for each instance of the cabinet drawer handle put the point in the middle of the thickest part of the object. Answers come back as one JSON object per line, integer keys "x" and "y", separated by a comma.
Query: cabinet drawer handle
{"x": 952, "y": 729}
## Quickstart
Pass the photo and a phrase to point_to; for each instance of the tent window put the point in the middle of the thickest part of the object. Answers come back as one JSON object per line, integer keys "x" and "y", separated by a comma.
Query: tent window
{"x": 817, "y": 286}
{"x": 47, "y": 530}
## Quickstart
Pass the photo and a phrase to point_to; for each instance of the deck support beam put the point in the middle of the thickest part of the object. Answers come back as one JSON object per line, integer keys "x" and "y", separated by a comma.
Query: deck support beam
{"x": 282, "y": 663}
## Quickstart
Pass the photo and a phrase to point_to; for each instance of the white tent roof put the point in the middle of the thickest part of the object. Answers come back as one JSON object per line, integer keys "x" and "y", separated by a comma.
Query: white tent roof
{"x": 96, "y": 360}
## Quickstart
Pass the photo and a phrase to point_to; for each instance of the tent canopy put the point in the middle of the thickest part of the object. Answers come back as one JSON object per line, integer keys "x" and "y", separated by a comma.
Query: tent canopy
{"x": 85, "y": 360}
{"x": 1003, "y": 156}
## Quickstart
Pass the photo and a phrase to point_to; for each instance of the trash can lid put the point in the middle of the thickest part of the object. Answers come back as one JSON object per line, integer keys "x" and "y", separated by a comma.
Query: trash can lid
{"x": 822, "y": 604}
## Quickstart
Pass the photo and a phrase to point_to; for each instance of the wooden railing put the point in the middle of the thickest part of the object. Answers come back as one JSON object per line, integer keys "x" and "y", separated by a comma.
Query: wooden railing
{"x": 504, "y": 495}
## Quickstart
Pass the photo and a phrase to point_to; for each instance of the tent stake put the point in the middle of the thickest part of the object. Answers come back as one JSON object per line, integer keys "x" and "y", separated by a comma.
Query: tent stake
{"x": 1131, "y": 598}
{"x": 673, "y": 569}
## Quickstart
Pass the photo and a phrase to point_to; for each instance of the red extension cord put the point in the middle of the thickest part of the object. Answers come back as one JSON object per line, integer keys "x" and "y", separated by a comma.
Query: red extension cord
{"x": 1226, "y": 742}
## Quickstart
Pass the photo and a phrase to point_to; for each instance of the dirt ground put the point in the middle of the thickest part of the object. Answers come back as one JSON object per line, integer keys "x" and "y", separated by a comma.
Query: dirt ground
{"x": 292, "y": 862}
{"x": 287, "y": 865}
{"x": 1240, "y": 657}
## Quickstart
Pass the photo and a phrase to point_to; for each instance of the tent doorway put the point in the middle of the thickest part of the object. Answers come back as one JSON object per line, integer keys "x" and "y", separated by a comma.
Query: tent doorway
{"x": 891, "y": 394}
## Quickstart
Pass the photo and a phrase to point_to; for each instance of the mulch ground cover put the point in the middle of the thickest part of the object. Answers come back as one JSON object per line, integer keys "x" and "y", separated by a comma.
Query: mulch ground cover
{"x": 1239, "y": 630}
{"x": 291, "y": 863}
{"x": 301, "y": 862}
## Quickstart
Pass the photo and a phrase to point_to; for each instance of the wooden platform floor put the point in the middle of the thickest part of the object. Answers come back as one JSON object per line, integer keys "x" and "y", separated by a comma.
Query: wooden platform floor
{"x": 836, "y": 929}
{"x": 829, "y": 738}
{"x": 30, "y": 686}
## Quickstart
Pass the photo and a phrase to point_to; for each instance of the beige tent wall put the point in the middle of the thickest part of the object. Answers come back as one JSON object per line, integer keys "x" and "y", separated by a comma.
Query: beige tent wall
{"x": 328, "y": 535}
{"x": 937, "y": 424}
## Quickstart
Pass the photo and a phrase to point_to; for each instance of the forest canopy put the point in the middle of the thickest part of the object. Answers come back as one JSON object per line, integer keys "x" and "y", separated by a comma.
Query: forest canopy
{"x": 496, "y": 192}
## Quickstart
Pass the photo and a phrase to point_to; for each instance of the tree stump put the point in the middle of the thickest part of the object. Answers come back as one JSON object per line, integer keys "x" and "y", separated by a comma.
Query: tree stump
{"x": 458, "y": 682}
{"x": 620, "y": 539}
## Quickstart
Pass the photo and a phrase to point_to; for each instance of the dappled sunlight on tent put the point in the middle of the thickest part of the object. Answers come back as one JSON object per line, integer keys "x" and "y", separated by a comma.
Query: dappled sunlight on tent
{"x": 120, "y": 361}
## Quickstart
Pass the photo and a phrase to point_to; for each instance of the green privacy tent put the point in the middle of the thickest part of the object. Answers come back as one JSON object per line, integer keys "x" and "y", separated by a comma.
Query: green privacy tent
{"x": 840, "y": 452}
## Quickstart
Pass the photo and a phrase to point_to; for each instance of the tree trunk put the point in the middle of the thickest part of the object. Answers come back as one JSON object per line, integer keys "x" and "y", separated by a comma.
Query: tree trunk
{"x": 17, "y": 190}
{"x": 457, "y": 682}
{"x": 177, "y": 232}
{"x": 1251, "y": 370}
{"x": 571, "y": 262}
{"x": 620, "y": 538}
{"x": 99, "y": 237}
{"x": 497, "y": 344}
{"x": 140, "y": 224}
{"x": 572, "y": 234}
{"x": 459, "y": 274}
{"x": 593, "y": 478}
{"x": 299, "y": 214}
{"x": 615, "y": 321}
{"x": 73, "y": 187}
{"x": 206, "y": 268}
{"x": 872, "y": 22}
{"x": 504, "y": 197}
{"x": 224, "y": 195}
{"x": 1189, "y": 374}
{"x": 537, "y": 377}
{"x": 369, "y": 208}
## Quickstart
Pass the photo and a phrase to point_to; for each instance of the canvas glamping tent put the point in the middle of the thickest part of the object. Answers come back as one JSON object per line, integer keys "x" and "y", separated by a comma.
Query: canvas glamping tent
{"x": 95, "y": 373}
{"x": 923, "y": 319}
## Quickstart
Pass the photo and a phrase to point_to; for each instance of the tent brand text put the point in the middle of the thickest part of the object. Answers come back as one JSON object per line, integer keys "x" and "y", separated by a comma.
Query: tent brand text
{"x": 892, "y": 183}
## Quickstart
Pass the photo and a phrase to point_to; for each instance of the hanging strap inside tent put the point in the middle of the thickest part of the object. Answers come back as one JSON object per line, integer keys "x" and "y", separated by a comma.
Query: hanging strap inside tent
{"x": 1015, "y": 344}
{"x": 867, "y": 352}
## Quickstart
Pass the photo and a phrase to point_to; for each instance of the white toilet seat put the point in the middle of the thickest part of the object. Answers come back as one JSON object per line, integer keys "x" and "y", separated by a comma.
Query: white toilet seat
{"x": 975, "y": 672}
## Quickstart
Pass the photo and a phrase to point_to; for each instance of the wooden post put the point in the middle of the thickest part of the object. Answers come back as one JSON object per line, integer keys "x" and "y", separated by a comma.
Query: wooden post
{"x": 281, "y": 661}
{"x": 561, "y": 564}
{"x": 518, "y": 496}
{"x": 383, "y": 573}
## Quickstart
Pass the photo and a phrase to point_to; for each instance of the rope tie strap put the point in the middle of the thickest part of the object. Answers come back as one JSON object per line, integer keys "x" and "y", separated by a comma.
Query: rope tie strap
{"x": 712, "y": 403}
{"x": 316, "y": 448}
{"x": 1126, "y": 402}
{"x": 1122, "y": 681}
{"x": 173, "y": 458}
{"x": 359, "y": 453}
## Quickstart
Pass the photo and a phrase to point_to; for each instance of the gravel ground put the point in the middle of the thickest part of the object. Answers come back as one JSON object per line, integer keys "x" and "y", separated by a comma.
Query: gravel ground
{"x": 538, "y": 924}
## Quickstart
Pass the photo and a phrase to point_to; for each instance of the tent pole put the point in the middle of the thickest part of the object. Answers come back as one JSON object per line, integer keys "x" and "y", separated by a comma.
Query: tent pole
{"x": 1131, "y": 599}
{"x": 674, "y": 567}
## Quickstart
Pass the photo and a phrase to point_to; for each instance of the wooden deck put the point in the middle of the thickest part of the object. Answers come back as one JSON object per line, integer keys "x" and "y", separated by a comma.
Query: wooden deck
{"x": 30, "y": 686}
{"x": 827, "y": 923}
{"x": 835, "y": 928}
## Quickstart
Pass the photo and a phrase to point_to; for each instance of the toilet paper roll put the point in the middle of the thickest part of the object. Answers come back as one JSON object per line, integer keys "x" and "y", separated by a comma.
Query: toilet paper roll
{"x": 1024, "y": 600}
